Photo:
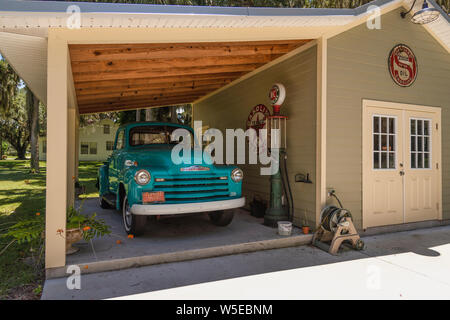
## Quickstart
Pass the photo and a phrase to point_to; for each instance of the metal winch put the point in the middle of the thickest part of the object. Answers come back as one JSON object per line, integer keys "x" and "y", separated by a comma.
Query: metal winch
{"x": 336, "y": 226}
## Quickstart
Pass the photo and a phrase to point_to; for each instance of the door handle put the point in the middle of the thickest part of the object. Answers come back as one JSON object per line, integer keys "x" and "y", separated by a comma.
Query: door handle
{"x": 402, "y": 173}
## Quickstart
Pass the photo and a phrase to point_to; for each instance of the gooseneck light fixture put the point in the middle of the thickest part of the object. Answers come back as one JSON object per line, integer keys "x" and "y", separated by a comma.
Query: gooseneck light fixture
{"x": 424, "y": 15}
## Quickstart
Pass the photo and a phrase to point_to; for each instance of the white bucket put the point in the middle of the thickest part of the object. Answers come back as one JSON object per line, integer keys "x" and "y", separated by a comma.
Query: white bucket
{"x": 284, "y": 228}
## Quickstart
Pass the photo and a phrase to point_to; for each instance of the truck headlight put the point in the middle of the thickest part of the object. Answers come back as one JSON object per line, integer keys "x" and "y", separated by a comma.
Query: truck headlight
{"x": 237, "y": 175}
{"x": 142, "y": 177}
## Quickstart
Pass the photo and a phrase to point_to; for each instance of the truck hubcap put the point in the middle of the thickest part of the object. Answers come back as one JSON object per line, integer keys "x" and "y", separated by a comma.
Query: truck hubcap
{"x": 127, "y": 216}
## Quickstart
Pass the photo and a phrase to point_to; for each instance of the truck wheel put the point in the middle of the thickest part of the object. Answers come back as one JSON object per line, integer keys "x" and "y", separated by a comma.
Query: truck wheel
{"x": 133, "y": 224}
{"x": 221, "y": 218}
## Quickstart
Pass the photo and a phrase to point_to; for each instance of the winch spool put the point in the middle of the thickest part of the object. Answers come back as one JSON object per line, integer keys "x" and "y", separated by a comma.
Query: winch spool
{"x": 331, "y": 216}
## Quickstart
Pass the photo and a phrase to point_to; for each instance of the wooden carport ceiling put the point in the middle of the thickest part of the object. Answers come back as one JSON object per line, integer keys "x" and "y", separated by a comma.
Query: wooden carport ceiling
{"x": 112, "y": 77}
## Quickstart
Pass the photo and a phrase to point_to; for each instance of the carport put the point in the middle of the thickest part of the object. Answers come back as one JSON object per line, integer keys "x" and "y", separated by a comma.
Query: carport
{"x": 123, "y": 57}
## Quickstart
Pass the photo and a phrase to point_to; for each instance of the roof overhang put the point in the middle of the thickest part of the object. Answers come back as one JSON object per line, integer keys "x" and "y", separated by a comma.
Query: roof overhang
{"x": 25, "y": 25}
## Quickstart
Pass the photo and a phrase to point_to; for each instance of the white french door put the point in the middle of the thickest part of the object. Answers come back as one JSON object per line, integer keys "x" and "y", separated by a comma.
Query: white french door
{"x": 401, "y": 155}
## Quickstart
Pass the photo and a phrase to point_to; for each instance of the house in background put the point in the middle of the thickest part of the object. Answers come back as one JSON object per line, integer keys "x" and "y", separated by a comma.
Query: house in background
{"x": 95, "y": 143}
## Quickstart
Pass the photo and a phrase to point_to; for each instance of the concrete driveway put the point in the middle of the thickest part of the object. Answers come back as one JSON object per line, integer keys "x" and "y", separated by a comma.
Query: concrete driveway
{"x": 404, "y": 265}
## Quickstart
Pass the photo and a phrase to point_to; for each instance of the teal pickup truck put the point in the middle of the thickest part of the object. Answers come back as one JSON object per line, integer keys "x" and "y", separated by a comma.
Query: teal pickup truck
{"x": 141, "y": 180}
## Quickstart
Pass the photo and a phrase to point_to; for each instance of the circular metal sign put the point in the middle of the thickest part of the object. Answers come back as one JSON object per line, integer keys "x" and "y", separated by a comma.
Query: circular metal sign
{"x": 277, "y": 94}
{"x": 257, "y": 117}
{"x": 402, "y": 65}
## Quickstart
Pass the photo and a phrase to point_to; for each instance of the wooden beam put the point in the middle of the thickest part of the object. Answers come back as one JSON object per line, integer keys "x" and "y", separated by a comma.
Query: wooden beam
{"x": 154, "y": 72}
{"x": 136, "y": 93}
{"x": 141, "y": 99}
{"x": 164, "y": 85}
{"x": 144, "y": 64}
{"x": 176, "y": 50}
{"x": 150, "y": 81}
{"x": 142, "y": 104}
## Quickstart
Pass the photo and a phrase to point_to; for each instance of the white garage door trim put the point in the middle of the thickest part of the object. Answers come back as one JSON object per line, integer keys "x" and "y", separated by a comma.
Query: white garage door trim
{"x": 367, "y": 152}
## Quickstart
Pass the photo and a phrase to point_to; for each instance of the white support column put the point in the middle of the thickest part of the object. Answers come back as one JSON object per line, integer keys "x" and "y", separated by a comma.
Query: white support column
{"x": 71, "y": 155}
{"x": 57, "y": 155}
{"x": 321, "y": 127}
{"x": 77, "y": 142}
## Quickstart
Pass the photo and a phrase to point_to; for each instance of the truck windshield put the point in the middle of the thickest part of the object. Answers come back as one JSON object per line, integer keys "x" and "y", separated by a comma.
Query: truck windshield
{"x": 148, "y": 135}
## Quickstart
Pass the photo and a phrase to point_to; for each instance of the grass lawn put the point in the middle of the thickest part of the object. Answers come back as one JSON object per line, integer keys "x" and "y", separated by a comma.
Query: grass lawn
{"x": 22, "y": 195}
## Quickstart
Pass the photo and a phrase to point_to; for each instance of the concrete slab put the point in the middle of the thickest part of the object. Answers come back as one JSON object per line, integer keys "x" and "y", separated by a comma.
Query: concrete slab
{"x": 173, "y": 239}
{"x": 411, "y": 264}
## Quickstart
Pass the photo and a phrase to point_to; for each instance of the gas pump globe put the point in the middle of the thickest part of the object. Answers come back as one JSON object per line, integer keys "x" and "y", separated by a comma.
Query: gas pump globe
{"x": 276, "y": 138}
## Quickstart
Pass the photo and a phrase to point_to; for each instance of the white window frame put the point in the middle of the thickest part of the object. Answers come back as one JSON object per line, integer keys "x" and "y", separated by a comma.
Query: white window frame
{"x": 430, "y": 143}
{"x": 380, "y": 133}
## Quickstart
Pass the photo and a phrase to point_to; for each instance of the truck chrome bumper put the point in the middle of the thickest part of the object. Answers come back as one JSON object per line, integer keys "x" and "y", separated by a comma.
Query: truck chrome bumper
{"x": 166, "y": 209}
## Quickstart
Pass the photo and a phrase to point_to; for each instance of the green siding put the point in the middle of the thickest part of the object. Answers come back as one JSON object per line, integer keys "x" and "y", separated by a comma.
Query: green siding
{"x": 357, "y": 70}
{"x": 231, "y": 107}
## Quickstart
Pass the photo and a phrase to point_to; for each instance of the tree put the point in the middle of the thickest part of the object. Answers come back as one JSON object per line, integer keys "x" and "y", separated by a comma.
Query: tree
{"x": 8, "y": 90}
{"x": 14, "y": 126}
{"x": 32, "y": 104}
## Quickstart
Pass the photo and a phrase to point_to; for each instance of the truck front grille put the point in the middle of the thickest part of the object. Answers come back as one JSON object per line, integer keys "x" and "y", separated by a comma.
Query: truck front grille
{"x": 191, "y": 188}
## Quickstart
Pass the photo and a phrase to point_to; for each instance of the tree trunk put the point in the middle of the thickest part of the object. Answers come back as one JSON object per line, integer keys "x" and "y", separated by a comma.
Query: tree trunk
{"x": 21, "y": 152}
{"x": 33, "y": 107}
{"x": 138, "y": 115}
{"x": 173, "y": 114}
{"x": 148, "y": 115}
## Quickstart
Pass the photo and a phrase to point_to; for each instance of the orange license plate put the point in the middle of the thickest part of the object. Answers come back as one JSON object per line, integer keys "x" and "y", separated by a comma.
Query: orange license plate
{"x": 157, "y": 196}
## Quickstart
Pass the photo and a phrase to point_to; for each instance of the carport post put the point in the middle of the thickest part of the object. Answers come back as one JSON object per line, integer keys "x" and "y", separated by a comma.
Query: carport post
{"x": 77, "y": 143}
{"x": 57, "y": 152}
{"x": 71, "y": 155}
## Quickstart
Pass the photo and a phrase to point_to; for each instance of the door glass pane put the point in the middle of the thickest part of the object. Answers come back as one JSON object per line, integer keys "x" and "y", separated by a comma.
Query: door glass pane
{"x": 376, "y": 124}
{"x": 383, "y": 142}
{"x": 391, "y": 142}
{"x": 413, "y": 126}
{"x": 391, "y": 125}
{"x": 420, "y": 160}
{"x": 413, "y": 160}
{"x": 419, "y": 127}
{"x": 376, "y": 160}
{"x": 383, "y": 124}
{"x": 419, "y": 144}
{"x": 426, "y": 160}
{"x": 426, "y": 146}
{"x": 426, "y": 127}
{"x": 413, "y": 143}
{"x": 384, "y": 163}
{"x": 376, "y": 142}
{"x": 391, "y": 160}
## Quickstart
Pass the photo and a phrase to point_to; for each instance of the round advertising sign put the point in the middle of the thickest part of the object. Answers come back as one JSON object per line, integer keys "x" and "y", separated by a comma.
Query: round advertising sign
{"x": 257, "y": 117}
{"x": 402, "y": 65}
{"x": 277, "y": 94}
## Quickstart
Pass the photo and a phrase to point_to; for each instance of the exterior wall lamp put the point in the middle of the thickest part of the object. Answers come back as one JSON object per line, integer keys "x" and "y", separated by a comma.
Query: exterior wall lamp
{"x": 424, "y": 15}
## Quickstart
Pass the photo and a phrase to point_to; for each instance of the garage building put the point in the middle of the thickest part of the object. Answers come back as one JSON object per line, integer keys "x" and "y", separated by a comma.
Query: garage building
{"x": 358, "y": 123}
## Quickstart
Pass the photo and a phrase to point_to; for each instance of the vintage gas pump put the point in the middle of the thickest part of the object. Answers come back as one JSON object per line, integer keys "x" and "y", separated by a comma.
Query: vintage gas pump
{"x": 276, "y": 141}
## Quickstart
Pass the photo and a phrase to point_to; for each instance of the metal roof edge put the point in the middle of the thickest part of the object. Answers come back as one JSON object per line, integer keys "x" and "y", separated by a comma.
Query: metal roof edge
{"x": 94, "y": 7}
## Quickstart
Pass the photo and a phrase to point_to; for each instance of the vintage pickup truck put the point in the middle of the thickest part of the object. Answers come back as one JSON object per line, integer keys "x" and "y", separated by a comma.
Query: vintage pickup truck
{"x": 141, "y": 180}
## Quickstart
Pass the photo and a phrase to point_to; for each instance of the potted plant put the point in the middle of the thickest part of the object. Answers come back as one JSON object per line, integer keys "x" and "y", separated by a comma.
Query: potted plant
{"x": 305, "y": 225}
{"x": 78, "y": 226}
